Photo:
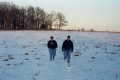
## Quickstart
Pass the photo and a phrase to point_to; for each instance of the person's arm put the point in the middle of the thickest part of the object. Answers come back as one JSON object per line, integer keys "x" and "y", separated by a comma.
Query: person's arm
{"x": 56, "y": 44}
{"x": 48, "y": 44}
{"x": 63, "y": 46}
{"x": 72, "y": 47}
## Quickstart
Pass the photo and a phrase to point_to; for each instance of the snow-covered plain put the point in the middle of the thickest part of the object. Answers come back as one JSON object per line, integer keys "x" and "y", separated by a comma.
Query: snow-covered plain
{"x": 24, "y": 56}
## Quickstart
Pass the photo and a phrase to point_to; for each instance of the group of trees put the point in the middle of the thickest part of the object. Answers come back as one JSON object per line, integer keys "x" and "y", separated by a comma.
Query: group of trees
{"x": 88, "y": 30}
{"x": 13, "y": 17}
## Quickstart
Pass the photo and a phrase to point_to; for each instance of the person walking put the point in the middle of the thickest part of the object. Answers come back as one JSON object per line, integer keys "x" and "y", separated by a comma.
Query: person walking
{"x": 67, "y": 48}
{"x": 52, "y": 45}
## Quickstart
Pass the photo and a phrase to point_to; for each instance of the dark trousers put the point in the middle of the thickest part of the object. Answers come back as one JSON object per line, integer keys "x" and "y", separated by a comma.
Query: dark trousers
{"x": 67, "y": 55}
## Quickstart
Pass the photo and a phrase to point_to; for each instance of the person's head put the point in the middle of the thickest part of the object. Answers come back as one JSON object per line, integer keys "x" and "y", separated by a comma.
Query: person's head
{"x": 51, "y": 37}
{"x": 68, "y": 37}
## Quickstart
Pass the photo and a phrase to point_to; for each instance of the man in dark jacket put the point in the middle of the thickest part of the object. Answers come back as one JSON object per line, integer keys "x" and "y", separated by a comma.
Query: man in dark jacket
{"x": 52, "y": 45}
{"x": 67, "y": 48}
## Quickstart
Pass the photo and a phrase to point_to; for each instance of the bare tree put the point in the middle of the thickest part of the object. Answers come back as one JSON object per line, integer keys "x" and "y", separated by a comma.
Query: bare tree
{"x": 50, "y": 18}
{"x": 37, "y": 17}
{"x": 61, "y": 20}
{"x": 92, "y": 30}
{"x": 40, "y": 17}
{"x": 30, "y": 17}
{"x": 82, "y": 29}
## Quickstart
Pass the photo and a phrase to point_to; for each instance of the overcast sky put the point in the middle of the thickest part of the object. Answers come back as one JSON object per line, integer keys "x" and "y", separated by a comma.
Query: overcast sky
{"x": 98, "y": 14}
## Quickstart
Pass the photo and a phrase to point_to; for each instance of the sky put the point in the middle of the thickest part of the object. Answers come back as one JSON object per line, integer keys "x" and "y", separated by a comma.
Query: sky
{"x": 96, "y": 14}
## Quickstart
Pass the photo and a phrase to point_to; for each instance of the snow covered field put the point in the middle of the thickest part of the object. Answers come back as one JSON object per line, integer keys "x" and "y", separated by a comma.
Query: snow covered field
{"x": 24, "y": 56}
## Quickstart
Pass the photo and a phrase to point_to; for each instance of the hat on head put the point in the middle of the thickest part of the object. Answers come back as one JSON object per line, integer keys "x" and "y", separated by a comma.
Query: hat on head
{"x": 68, "y": 36}
{"x": 51, "y": 37}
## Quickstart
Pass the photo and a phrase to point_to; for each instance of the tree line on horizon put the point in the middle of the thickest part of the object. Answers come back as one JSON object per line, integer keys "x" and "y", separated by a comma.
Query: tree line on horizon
{"x": 14, "y": 17}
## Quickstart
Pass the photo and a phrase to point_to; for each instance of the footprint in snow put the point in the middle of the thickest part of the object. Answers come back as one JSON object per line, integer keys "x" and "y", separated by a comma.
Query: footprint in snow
{"x": 37, "y": 58}
{"x": 26, "y": 59}
{"x": 5, "y": 60}
{"x": 37, "y": 73}
{"x": 33, "y": 78}
{"x": 93, "y": 57}
{"x": 26, "y": 53}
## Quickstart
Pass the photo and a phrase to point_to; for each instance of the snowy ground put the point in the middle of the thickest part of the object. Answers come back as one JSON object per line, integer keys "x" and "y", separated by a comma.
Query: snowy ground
{"x": 24, "y": 56}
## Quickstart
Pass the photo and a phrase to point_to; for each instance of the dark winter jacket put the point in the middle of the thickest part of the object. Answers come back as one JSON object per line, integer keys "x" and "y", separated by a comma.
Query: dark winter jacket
{"x": 52, "y": 44}
{"x": 67, "y": 45}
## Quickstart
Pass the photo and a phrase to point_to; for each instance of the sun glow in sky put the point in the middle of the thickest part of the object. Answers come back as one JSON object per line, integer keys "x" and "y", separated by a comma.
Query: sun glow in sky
{"x": 97, "y": 14}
